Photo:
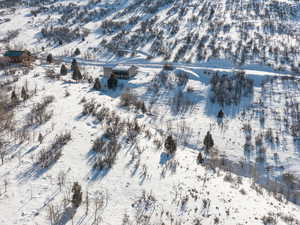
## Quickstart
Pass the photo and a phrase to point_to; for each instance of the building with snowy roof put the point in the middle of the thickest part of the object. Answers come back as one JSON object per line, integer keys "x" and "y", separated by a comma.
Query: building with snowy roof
{"x": 120, "y": 71}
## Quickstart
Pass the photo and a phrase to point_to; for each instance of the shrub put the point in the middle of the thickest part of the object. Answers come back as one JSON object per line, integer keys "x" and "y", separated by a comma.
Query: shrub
{"x": 53, "y": 153}
{"x": 89, "y": 108}
{"x": 269, "y": 219}
{"x": 129, "y": 99}
{"x": 106, "y": 154}
{"x": 39, "y": 114}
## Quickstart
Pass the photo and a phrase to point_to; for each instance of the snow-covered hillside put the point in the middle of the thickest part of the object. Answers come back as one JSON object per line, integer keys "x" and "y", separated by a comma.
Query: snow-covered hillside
{"x": 56, "y": 131}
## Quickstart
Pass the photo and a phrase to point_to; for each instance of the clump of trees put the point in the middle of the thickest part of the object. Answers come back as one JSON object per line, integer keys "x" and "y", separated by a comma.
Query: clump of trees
{"x": 230, "y": 89}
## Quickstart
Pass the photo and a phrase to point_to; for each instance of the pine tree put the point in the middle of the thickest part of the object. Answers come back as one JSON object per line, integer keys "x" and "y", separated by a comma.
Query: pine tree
{"x": 143, "y": 108}
{"x": 40, "y": 138}
{"x": 200, "y": 158}
{"x": 97, "y": 84}
{"x": 14, "y": 97}
{"x": 208, "y": 141}
{"x": 77, "y": 52}
{"x": 50, "y": 58}
{"x": 170, "y": 145}
{"x": 77, "y": 195}
{"x": 74, "y": 64}
{"x": 220, "y": 114}
{"x": 112, "y": 82}
{"x": 63, "y": 69}
{"x": 76, "y": 74}
{"x": 24, "y": 94}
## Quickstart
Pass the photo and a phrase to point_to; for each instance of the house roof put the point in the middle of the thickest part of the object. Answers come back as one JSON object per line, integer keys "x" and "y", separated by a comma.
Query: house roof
{"x": 14, "y": 53}
{"x": 122, "y": 68}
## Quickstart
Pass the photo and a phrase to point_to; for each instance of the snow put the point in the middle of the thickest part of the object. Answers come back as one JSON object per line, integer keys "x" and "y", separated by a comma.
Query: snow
{"x": 140, "y": 166}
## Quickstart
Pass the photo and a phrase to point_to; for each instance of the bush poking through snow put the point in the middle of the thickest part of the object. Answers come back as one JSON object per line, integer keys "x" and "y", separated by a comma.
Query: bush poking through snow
{"x": 270, "y": 219}
{"x": 106, "y": 154}
{"x": 39, "y": 114}
{"x": 129, "y": 99}
{"x": 52, "y": 154}
{"x": 89, "y": 108}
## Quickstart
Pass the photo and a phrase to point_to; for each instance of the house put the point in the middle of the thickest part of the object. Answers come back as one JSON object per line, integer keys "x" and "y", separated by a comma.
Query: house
{"x": 120, "y": 71}
{"x": 4, "y": 61}
{"x": 24, "y": 57}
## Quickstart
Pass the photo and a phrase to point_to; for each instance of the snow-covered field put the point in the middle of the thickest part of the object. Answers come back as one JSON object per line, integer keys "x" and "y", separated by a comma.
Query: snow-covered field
{"x": 145, "y": 185}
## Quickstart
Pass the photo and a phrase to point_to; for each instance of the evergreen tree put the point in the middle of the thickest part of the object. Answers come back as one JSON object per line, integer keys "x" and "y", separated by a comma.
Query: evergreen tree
{"x": 97, "y": 84}
{"x": 170, "y": 145}
{"x": 208, "y": 141}
{"x": 77, "y": 52}
{"x": 50, "y": 58}
{"x": 220, "y": 114}
{"x": 40, "y": 138}
{"x": 200, "y": 158}
{"x": 143, "y": 108}
{"x": 24, "y": 94}
{"x": 74, "y": 64}
{"x": 77, "y": 195}
{"x": 14, "y": 97}
{"x": 76, "y": 74}
{"x": 63, "y": 69}
{"x": 112, "y": 82}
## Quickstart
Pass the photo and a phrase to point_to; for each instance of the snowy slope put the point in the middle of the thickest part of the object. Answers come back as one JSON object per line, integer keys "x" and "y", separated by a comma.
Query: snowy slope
{"x": 144, "y": 185}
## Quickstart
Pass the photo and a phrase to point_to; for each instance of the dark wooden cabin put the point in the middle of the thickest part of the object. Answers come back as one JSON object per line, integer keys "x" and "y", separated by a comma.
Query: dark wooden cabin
{"x": 24, "y": 57}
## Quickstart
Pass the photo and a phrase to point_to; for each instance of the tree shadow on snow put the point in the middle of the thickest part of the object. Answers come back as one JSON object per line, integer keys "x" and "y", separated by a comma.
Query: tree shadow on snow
{"x": 164, "y": 158}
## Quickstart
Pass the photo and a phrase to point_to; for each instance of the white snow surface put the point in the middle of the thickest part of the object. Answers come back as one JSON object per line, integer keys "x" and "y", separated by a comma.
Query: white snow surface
{"x": 180, "y": 195}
